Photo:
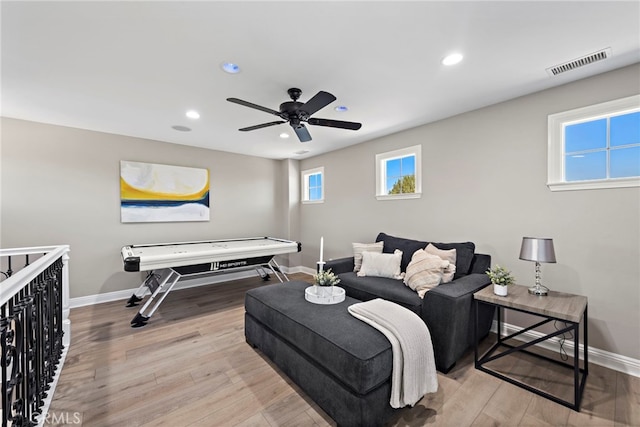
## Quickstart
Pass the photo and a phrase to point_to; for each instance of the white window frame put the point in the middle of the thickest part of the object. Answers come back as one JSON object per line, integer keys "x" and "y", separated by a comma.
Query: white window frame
{"x": 304, "y": 176}
{"x": 555, "y": 149}
{"x": 381, "y": 173}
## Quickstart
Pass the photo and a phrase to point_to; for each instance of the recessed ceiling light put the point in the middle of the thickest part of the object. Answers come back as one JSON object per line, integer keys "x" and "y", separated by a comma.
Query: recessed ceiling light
{"x": 452, "y": 59}
{"x": 193, "y": 114}
{"x": 181, "y": 128}
{"x": 284, "y": 135}
{"x": 230, "y": 67}
{"x": 341, "y": 108}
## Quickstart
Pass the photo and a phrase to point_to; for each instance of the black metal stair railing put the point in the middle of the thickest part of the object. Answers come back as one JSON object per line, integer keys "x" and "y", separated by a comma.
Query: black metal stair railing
{"x": 31, "y": 343}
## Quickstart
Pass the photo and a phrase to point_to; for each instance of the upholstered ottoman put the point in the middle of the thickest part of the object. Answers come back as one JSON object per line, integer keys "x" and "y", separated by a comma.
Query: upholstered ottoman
{"x": 340, "y": 362}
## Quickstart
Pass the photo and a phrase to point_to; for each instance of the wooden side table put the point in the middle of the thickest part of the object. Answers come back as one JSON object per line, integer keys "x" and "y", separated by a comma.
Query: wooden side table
{"x": 568, "y": 308}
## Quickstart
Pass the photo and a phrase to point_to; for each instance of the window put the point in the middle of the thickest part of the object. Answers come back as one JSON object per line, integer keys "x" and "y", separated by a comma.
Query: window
{"x": 595, "y": 147}
{"x": 313, "y": 185}
{"x": 398, "y": 174}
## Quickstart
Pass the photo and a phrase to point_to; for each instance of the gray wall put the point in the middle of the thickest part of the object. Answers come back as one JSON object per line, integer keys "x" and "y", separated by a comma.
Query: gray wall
{"x": 484, "y": 176}
{"x": 61, "y": 186}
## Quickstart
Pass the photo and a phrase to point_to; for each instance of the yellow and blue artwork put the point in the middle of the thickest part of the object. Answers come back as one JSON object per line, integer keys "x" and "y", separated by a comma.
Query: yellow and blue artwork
{"x": 163, "y": 193}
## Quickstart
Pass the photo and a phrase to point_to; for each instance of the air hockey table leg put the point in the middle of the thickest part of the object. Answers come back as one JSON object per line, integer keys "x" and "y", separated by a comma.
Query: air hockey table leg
{"x": 140, "y": 318}
{"x": 261, "y": 271}
{"x": 150, "y": 283}
{"x": 273, "y": 265}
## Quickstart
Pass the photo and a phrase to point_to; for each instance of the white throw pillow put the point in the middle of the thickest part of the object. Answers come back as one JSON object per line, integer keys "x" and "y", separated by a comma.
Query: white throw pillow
{"x": 424, "y": 272}
{"x": 381, "y": 265}
{"x": 447, "y": 255}
{"x": 359, "y": 248}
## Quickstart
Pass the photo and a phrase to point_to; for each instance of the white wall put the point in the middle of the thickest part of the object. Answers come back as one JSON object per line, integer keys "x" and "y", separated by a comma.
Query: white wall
{"x": 61, "y": 186}
{"x": 290, "y": 219}
{"x": 484, "y": 176}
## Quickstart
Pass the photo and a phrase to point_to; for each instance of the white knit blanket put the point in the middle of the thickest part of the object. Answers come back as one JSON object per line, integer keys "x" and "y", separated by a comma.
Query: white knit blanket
{"x": 414, "y": 369}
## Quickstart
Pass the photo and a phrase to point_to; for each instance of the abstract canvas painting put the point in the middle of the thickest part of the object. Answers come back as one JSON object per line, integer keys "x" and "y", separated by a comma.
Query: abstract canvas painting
{"x": 163, "y": 193}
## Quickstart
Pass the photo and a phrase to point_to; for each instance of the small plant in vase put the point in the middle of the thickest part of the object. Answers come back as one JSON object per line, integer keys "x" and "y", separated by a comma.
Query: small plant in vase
{"x": 325, "y": 279}
{"x": 500, "y": 278}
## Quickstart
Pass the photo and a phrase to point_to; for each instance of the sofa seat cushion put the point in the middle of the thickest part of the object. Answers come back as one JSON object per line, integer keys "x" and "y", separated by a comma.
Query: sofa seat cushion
{"x": 356, "y": 354}
{"x": 368, "y": 288}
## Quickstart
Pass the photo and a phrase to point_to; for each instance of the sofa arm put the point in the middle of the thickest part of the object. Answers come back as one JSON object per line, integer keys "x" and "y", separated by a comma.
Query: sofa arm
{"x": 446, "y": 309}
{"x": 464, "y": 285}
{"x": 340, "y": 265}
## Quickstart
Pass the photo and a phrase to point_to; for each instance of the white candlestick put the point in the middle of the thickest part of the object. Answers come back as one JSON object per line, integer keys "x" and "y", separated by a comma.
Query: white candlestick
{"x": 321, "y": 247}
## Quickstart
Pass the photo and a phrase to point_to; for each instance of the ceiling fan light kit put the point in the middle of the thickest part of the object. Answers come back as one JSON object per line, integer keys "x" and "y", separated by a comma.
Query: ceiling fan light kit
{"x": 298, "y": 113}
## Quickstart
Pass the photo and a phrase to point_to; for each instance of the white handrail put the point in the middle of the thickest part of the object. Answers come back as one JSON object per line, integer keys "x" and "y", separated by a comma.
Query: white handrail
{"x": 13, "y": 285}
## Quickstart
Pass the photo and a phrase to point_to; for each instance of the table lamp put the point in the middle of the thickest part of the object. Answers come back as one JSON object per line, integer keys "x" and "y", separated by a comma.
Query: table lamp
{"x": 538, "y": 250}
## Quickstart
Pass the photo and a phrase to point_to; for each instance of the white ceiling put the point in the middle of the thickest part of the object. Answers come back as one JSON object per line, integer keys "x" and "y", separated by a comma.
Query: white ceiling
{"x": 135, "y": 68}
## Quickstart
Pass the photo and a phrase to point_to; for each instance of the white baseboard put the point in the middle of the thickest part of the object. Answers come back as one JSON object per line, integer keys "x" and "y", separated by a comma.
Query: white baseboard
{"x": 183, "y": 284}
{"x": 597, "y": 356}
{"x": 604, "y": 358}
{"x": 307, "y": 270}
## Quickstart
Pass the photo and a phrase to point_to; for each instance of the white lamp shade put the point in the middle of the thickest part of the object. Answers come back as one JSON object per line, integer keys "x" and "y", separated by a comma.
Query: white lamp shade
{"x": 537, "y": 249}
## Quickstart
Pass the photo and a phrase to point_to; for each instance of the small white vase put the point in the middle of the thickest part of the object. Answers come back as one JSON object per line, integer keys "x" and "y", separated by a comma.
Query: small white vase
{"x": 500, "y": 290}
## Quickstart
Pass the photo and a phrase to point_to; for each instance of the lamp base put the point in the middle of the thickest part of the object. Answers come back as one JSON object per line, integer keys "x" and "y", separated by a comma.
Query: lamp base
{"x": 539, "y": 290}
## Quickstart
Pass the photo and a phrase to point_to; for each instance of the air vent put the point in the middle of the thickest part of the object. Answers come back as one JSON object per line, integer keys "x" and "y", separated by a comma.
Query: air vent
{"x": 576, "y": 63}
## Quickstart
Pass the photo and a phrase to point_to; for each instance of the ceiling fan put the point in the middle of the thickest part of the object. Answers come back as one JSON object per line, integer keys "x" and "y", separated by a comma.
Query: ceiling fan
{"x": 297, "y": 113}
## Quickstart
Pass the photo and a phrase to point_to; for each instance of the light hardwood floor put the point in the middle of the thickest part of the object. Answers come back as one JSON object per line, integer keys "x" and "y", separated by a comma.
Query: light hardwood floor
{"x": 191, "y": 366}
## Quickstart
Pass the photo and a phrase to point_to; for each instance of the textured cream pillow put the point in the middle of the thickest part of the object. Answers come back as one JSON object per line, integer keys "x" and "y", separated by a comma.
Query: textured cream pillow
{"x": 424, "y": 272}
{"x": 448, "y": 255}
{"x": 381, "y": 265}
{"x": 358, "y": 248}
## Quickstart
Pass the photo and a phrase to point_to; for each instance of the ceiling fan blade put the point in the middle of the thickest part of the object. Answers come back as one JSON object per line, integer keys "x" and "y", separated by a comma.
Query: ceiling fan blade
{"x": 264, "y": 125}
{"x": 334, "y": 123}
{"x": 251, "y": 105}
{"x": 302, "y": 132}
{"x": 320, "y": 100}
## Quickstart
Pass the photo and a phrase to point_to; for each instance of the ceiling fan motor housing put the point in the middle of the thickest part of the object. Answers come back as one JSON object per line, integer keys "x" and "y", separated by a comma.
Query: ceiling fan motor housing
{"x": 290, "y": 107}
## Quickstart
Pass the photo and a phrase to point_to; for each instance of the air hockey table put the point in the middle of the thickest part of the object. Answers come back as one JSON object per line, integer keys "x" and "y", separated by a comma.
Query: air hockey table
{"x": 167, "y": 263}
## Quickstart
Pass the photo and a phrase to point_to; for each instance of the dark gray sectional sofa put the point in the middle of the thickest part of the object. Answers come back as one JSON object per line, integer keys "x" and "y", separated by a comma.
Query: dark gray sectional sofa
{"x": 446, "y": 309}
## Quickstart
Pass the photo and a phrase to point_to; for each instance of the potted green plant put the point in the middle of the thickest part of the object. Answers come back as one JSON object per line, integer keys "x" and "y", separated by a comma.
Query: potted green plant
{"x": 325, "y": 279}
{"x": 501, "y": 278}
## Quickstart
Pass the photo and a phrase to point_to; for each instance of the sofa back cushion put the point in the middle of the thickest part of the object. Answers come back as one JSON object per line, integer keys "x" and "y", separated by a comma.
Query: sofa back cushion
{"x": 464, "y": 251}
{"x": 407, "y": 246}
{"x": 464, "y": 256}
